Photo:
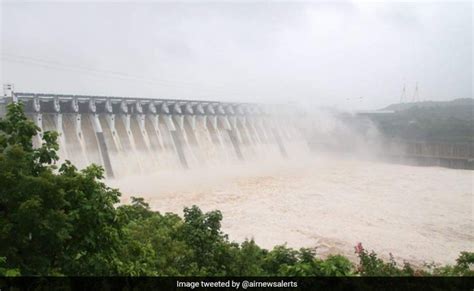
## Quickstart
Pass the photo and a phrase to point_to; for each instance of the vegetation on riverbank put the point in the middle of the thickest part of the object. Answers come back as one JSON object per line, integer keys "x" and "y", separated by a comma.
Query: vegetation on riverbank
{"x": 61, "y": 221}
{"x": 429, "y": 121}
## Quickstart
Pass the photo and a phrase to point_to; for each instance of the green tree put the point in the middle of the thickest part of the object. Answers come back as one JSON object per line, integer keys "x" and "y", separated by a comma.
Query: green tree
{"x": 150, "y": 243}
{"x": 7, "y": 272}
{"x": 52, "y": 221}
{"x": 250, "y": 259}
{"x": 211, "y": 252}
{"x": 280, "y": 257}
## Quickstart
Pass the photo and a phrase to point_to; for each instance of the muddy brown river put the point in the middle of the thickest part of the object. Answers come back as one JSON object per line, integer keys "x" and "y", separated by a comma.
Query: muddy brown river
{"x": 419, "y": 214}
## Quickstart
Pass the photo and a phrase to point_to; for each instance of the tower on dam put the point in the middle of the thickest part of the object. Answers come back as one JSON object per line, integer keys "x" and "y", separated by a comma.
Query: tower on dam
{"x": 129, "y": 135}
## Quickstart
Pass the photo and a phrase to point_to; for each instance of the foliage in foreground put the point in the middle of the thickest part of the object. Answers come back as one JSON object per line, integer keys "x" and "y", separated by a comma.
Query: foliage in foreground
{"x": 61, "y": 221}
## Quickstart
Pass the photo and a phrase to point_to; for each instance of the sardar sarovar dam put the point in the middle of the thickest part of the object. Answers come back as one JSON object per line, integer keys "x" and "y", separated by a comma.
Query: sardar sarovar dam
{"x": 133, "y": 135}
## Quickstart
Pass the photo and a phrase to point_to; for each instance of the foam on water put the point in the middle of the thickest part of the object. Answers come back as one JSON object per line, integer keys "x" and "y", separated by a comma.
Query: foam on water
{"x": 417, "y": 213}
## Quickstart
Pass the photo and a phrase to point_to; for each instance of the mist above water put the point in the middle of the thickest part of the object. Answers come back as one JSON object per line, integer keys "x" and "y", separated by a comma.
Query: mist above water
{"x": 329, "y": 198}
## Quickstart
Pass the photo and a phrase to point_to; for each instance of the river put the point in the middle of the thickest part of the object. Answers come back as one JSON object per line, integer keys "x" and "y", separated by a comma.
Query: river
{"x": 419, "y": 214}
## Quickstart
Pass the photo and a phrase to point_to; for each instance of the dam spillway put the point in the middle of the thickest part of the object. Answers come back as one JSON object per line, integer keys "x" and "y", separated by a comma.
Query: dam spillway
{"x": 129, "y": 135}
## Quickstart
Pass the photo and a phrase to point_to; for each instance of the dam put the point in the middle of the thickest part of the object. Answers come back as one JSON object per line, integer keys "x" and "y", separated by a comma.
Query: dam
{"x": 267, "y": 188}
{"x": 128, "y": 135}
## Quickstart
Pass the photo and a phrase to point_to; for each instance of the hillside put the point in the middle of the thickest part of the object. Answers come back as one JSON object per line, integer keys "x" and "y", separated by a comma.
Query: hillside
{"x": 458, "y": 108}
{"x": 442, "y": 121}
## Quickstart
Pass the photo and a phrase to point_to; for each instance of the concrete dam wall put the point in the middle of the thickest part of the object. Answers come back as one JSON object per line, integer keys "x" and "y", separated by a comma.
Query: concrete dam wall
{"x": 430, "y": 153}
{"x": 138, "y": 135}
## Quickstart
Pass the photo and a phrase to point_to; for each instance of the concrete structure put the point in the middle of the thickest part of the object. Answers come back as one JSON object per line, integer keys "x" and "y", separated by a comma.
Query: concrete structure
{"x": 108, "y": 130}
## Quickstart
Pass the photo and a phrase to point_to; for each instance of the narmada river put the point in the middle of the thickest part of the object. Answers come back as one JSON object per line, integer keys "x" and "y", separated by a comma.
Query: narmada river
{"x": 419, "y": 214}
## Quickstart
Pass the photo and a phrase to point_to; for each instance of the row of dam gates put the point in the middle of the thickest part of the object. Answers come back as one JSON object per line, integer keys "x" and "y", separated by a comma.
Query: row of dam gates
{"x": 141, "y": 135}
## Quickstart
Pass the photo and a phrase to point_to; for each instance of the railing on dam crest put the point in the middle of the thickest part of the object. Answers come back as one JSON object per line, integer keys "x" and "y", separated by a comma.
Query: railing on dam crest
{"x": 137, "y": 135}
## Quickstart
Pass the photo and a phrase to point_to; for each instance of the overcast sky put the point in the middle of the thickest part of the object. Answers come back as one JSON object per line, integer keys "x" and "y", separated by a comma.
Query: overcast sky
{"x": 350, "y": 55}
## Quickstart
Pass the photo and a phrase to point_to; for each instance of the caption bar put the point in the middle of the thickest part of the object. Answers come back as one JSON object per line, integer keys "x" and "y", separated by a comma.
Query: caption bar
{"x": 236, "y": 284}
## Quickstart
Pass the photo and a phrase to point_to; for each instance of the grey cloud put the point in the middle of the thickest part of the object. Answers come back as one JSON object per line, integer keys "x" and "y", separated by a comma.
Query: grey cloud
{"x": 329, "y": 54}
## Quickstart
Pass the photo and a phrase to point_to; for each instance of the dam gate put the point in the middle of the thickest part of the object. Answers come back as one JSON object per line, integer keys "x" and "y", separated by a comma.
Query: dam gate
{"x": 129, "y": 135}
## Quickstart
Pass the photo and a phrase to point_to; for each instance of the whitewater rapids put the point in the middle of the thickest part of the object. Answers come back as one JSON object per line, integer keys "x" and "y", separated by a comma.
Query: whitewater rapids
{"x": 419, "y": 214}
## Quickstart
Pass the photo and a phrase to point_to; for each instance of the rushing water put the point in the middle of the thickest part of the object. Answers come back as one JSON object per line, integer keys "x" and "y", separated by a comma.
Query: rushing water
{"x": 329, "y": 202}
{"x": 315, "y": 200}
{"x": 417, "y": 213}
